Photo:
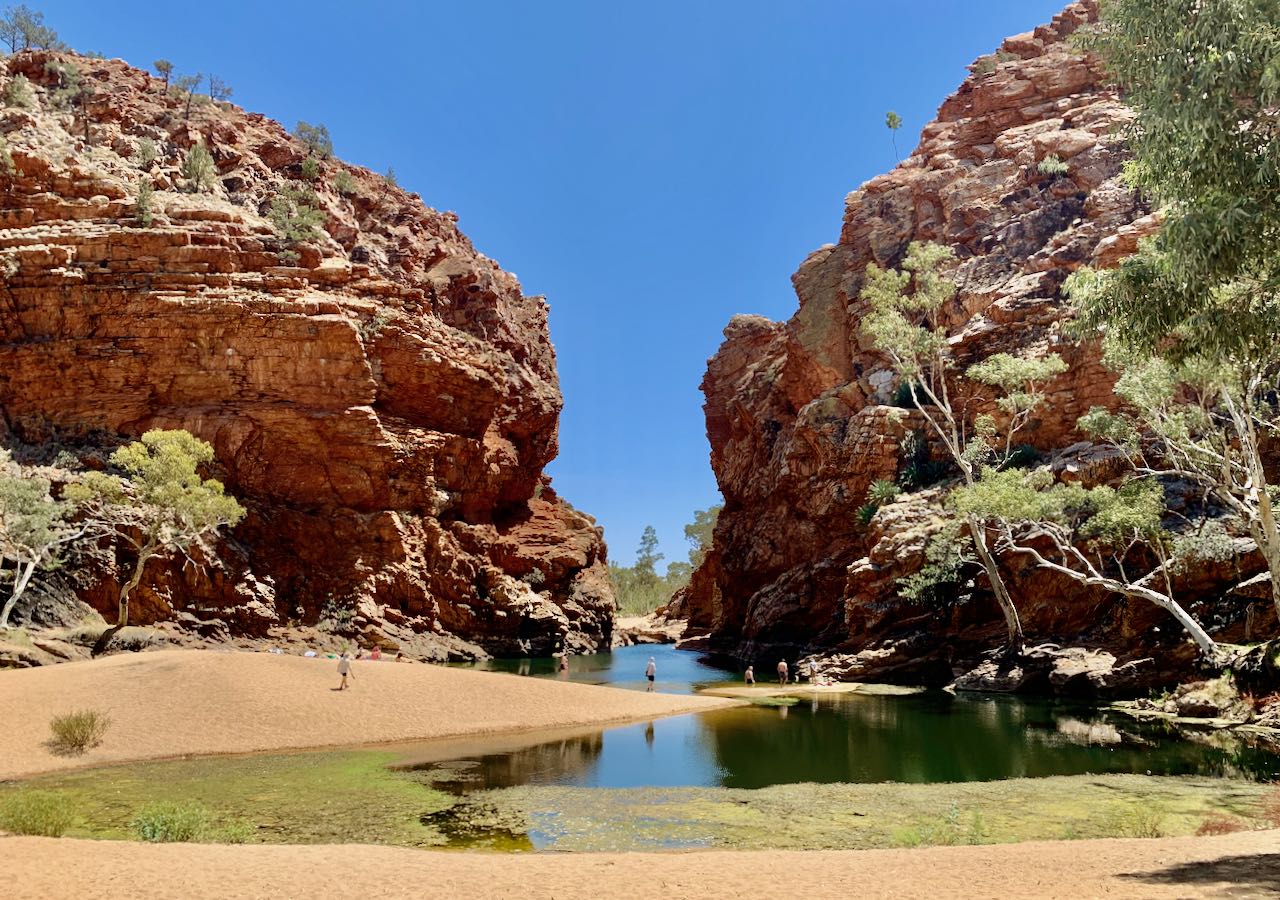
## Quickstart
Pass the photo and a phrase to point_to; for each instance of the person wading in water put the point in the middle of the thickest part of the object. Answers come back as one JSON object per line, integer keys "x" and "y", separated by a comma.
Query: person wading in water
{"x": 651, "y": 672}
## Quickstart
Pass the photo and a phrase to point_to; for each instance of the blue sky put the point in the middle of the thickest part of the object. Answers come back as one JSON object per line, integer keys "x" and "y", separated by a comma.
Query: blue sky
{"x": 653, "y": 168}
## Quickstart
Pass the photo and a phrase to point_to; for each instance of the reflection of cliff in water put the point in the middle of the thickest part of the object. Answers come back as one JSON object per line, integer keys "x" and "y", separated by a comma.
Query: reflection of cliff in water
{"x": 937, "y": 737}
{"x": 551, "y": 762}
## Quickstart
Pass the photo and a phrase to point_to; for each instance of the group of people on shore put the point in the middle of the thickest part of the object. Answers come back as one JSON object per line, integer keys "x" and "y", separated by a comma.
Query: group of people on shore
{"x": 784, "y": 674}
{"x": 749, "y": 676}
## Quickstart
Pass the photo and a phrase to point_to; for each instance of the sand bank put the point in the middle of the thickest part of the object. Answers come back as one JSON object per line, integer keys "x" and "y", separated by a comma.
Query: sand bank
{"x": 183, "y": 702}
{"x": 1238, "y": 865}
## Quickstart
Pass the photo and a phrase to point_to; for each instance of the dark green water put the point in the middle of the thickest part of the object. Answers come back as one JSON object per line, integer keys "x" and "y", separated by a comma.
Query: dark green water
{"x": 851, "y": 738}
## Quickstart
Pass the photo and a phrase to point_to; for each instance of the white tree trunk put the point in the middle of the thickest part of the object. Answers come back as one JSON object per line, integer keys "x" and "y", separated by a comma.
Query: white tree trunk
{"x": 1012, "y": 622}
{"x": 1194, "y": 628}
{"x": 21, "y": 578}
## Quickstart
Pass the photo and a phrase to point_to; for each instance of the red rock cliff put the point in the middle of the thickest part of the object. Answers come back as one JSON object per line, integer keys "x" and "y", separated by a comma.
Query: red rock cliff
{"x": 383, "y": 398}
{"x": 797, "y": 412}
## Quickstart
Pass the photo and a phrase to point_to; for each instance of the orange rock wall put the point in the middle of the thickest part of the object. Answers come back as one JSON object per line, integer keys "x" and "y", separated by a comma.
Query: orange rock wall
{"x": 796, "y": 411}
{"x": 383, "y": 399}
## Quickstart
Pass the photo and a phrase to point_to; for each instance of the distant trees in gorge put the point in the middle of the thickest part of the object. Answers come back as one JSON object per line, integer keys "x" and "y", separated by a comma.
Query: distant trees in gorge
{"x": 640, "y": 588}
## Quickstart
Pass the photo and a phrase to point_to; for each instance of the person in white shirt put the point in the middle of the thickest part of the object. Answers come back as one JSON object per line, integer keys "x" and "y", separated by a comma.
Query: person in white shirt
{"x": 344, "y": 669}
{"x": 651, "y": 672}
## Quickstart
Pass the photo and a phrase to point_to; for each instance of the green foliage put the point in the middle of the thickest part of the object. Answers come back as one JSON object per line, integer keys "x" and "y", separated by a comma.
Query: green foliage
{"x": 893, "y": 122}
{"x": 18, "y": 92}
{"x": 903, "y": 396}
{"x": 639, "y": 588}
{"x": 34, "y": 529}
{"x": 164, "y": 69}
{"x": 316, "y": 137}
{"x": 219, "y": 90}
{"x": 67, "y": 83}
{"x": 146, "y": 153}
{"x": 866, "y": 512}
{"x": 23, "y": 29}
{"x": 882, "y": 492}
{"x": 1101, "y": 514}
{"x": 7, "y": 165}
{"x": 343, "y": 183}
{"x": 699, "y": 532}
{"x": 1052, "y": 166}
{"x": 37, "y": 813}
{"x": 985, "y": 65}
{"x": 75, "y": 733}
{"x": 946, "y": 553}
{"x": 903, "y": 320}
{"x": 647, "y": 555}
{"x": 336, "y": 617}
{"x": 390, "y": 178}
{"x": 1204, "y": 81}
{"x": 187, "y": 85}
{"x": 296, "y": 215}
{"x": 310, "y": 168}
{"x": 161, "y": 504}
{"x": 1020, "y": 380}
{"x": 198, "y": 169}
{"x": 167, "y": 823}
{"x": 142, "y": 206}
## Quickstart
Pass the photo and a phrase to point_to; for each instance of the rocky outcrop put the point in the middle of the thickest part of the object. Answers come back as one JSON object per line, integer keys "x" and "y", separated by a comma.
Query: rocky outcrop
{"x": 800, "y": 414}
{"x": 382, "y": 397}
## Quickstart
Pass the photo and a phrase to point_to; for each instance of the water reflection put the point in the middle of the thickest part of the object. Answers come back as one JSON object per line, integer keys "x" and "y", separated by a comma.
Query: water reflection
{"x": 932, "y": 737}
{"x": 679, "y": 672}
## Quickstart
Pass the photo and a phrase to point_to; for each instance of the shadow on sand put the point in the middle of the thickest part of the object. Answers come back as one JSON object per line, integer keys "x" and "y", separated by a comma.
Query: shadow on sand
{"x": 1229, "y": 876}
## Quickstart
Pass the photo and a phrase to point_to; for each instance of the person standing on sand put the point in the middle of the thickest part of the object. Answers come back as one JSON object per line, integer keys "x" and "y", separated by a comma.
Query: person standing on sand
{"x": 344, "y": 669}
{"x": 750, "y": 676}
{"x": 651, "y": 672}
{"x": 782, "y": 671}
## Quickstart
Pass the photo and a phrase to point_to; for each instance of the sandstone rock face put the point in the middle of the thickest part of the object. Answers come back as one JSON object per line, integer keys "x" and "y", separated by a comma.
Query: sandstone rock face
{"x": 798, "y": 413}
{"x": 383, "y": 398}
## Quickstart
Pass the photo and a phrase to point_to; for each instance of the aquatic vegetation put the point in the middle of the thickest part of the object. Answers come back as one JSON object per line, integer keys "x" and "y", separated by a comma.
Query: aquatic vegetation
{"x": 42, "y": 813}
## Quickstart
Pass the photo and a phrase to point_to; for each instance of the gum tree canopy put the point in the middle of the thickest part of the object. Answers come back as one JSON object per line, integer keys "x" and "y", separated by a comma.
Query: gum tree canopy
{"x": 159, "y": 505}
{"x": 1193, "y": 317}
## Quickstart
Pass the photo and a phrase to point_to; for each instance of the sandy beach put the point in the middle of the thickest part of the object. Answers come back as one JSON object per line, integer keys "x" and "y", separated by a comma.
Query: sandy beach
{"x": 1238, "y": 865}
{"x": 184, "y": 702}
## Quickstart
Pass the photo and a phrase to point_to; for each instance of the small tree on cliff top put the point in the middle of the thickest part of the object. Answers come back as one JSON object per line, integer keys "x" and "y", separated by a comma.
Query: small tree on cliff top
{"x": 23, "y": 29}
{"x": 164, "y": 69}
{"x": 906, "y": 323}
{"x": 160, "y": 505}
{"x": 1095, "y": 536}
{"x": 316, "y": 137}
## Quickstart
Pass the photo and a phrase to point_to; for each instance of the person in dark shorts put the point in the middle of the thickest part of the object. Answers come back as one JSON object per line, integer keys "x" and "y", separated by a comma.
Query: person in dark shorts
{"x": 651, "y": 672}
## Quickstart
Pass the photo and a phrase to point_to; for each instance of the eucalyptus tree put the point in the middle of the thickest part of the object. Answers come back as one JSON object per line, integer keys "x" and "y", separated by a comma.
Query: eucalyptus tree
{"x": 36, "y": 529}
{"x": 1203, "y": 78}
{"x": 158, "y": 505}
{"x": 1206, "y": 423}
{"x": 1100, "y": 536}
{"x": 1192, "y": 318}
{"x": 906, "y": 323}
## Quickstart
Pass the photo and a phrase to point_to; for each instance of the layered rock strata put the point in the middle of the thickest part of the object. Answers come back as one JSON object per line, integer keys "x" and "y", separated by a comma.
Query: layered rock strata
{"x": 381, "y": 397}
{"x": 800, "y": 415}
